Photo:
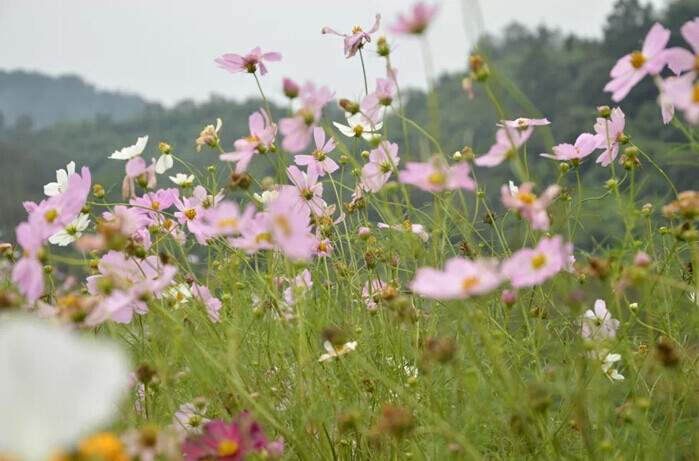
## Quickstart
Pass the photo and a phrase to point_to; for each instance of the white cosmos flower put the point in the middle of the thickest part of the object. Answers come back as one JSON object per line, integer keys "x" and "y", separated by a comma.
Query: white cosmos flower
{"x": 127, "y": 153}
{"x": 266, "y": 196}
{"x": 164, "y": 163}
{"x": 56, "y": 386}
{"x": 182, "y": 179}
{"x": 58, "y": 187}
{"x": 180, "y": 294}
{"x": 359, "y": 125}
{"x": 514, "y": 190}
{"x": 336, "y": 351}
{"x": 72, "y": 231}
{"x": 612, "y": 373}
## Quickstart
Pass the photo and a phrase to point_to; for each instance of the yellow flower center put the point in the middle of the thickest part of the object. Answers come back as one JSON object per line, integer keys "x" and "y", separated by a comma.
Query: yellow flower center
{"x": 191, "y": 213}
{"x": 230, "y": 222}
{"x": 51, "y": 215}
{"x": 283, "y": 224}
{"x": 437, "y": 178}
{"x": 526, "y": 197}
{"x": 266, "y": 236}
{"x": 538, "y": 261}
{"x": 407, "y": 224}
{"x": 322, "y": 247}
{"x": 155, "y": 205}
{"x": 357, "y": 29}
{"x": 637, "y": 59}
{"x": 358, "y": 130}
{"x": 179, "y": 296}
{"x": 695, "y": 93}
{"x": 469, "y": 282}
{"x": 318, "y": 155}
{"x": 167, "y": 223}
{"x": 521, "y": 122}
{"x": 252, "y": 138}
{"x": 227, "y": 448}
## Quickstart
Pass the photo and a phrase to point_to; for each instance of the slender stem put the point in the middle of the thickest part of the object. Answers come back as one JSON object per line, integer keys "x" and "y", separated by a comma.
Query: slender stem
{"x": 366, "y": 83}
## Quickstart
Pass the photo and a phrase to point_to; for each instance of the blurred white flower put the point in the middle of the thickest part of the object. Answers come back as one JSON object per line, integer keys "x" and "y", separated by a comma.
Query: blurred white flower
{"x": 127, "y": 153}
{"x": 612, "y": 373}
{"x": 336, "y": 351}
{"x": 56, "y": 386}
{"x": 71, "y": 232}
{"x": 55, "y": 188}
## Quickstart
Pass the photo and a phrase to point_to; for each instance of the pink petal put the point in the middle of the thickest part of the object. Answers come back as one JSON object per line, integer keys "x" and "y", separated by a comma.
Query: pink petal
{"x": 655, "y": 41}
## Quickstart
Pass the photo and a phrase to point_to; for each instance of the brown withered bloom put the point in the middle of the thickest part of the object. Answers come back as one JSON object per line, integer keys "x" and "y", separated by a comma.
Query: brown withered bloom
{"x": 395, "y": 420}
{"x": 686, "y": 205}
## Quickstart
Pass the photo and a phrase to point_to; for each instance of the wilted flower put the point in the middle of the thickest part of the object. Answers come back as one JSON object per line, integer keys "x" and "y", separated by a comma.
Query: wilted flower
{"x": 209, "y": 136}
{"x": 355, "y": 41}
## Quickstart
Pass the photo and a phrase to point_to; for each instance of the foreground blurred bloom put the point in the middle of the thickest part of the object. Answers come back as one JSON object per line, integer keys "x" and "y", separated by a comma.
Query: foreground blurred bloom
{"x": 461, "y": 278}
{"x": 71, "y": 232}
{"x": 319, "y": 159}
{"x": 573, "y": 153}
{"x": 355, "y": 41}
{"x": 235, "y": 63}
{"x": 507, "y": 141}
{"x": 103, "y": 446}
{"x": 420, "y": 17}
{"x": 436, "y": 175}
{"x": 610, "y": 133}
{"x": 680, "y": 59}
{"x": 230, "y": 441}
{"x": 336, "y": 351}
{"x": 528, "y": 205}
{"x": 631, "y": 68}
{"x": 55, "y": 387}
{"x": 529, "y": 267}
{"x": 127, "y": 153}
{"x": 382, "y": 161}
{"x": 55, "y": 188}
{"x": 28, "y": 273}
{"x": 598, "y": 324}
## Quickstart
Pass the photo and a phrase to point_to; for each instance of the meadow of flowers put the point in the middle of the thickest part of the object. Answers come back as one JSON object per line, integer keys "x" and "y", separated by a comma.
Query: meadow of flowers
{"x": 366, "y": 300}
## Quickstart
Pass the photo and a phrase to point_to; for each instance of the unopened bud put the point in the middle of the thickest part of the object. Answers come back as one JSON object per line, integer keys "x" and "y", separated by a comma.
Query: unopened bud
{"x": 604, "y": 111}
{"x": 382, "y": 48}
{"x": 98, "y": 191}
{"x": 349, "y": 106}
{"x": 563, "y": 167}
{"x": 291, "y": 89}
{"x": 365, "y": 154}
{"x": 467, "y": 154}
{"x": 165, "y": 148}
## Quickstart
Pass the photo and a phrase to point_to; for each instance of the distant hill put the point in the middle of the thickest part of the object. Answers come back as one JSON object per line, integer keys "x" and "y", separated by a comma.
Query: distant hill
{"x": 46, "y": 100}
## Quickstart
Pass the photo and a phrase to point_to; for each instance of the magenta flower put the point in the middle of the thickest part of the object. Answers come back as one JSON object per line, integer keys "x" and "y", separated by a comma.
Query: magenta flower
{"x": 319, "y": 159}
{"x": 235, "y": 63}
{"x": 461, "y": 278}
{"x": 507, "y": 141}
{"x": 436, "y": 175}
{"x": 633, "y": 67}
{"x": 355, "y": 41}
{"x": 598, "y": 325}
{"x": 523, "y": 123}
{"x": 261, "y": 139}
{"x": 683, "y": 91}
{"x": 609, "y": 134}
{"x": 417, "y": 22}
{"x": 382, "y": 161}
{"x": 28, "y": 273}
{"x": 679, "y": 59}
{"x": 573, "y": 153}
{"x": 528, "y": 205}
{"x": 532, "y": 266}
{"x": 297, "y": 130}
{"x": 307, "y": 189}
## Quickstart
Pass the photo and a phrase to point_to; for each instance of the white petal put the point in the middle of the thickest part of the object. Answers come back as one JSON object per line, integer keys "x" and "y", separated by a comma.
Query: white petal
{"x": 55, "y": 386}
{"x": 141, "y": 144}
{"x": 344, "y": 129}
{"x": 163, "y": 164}
{"x": 52, "y": 188}
{"x": 71, "y": 169}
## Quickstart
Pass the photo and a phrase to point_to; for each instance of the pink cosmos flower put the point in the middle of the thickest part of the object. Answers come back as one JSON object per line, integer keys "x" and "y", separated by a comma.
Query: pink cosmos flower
{"x": 289, "y": 225}
{"x": 421, "y": 16}
{"x": 226, "y": 219}
{"x": 319, "y": 159}
{"x": 190, "y": 213}
{"x": 382, "y": 161}
{"x": 598, "y": 325}
{"x": 461, "y": 278}
{"x": 324, "y": 247}
{"x": 679, "y": 59}
{"x": 254, "y": 235}
{"x": 436, "y": 175}
{"x": 528, "y": 205}
{"x": 262, "y": 133}
{"x": 190, "y": 418}
{"x": 297, "y": 130}
{"x": 355, "y": 41}
{"x": 307, "y": 189}
{"x": 609, "y": 133}
{"x": 573, "y": 153}
{"x": 381, "y": 97}
{"x": 371, "y": 293}
{"x": 631, "y": 68}
{"x": 213, "y": 305}
{"x": 683, "y": 91}
{"x": 507, "y": 141}
{"x": 407, "y": 226}
{"x": 532, "y": 266}
{"x": 298, "y": 287}
{"x": 28, "y": 273}
{"x": 524, "y": 123}
{"x": 154, "y": 203}
{"x": 137, "y": 171}
{"x": 235, "y": 63}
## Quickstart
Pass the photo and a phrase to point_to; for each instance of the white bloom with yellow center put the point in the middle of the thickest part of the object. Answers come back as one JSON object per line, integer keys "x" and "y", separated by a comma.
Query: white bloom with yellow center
{"x": 336, "y": 351}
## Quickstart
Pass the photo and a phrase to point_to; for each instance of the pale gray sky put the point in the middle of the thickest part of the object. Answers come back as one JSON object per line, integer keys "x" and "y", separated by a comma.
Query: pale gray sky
{"x": 164, "y": 49}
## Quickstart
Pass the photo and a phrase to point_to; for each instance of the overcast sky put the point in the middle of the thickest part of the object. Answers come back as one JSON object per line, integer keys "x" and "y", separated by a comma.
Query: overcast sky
{"x": 164, "y": 49}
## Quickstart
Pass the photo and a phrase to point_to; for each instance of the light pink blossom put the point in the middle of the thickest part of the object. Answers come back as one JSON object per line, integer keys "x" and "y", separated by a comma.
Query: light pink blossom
{"x": 609, "y": 134}
{"x": 528, "y": 205}
{"x": 532, "y": 266}
{"x": 461, "y": 278}
{"x": 319, "y": 159}
{"x": 382, "y": 161}
{"x": 507, "y": 141}
{"x": 356, "y": 40}
{"x": 436, "y": 175}
{"x": 584, "y": 145}
{"x": 235, "y": 63}
{"x": 417, "y": 22}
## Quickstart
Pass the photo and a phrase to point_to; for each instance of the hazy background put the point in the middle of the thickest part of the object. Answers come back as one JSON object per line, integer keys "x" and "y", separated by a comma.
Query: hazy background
{"x": 163, "y": 50}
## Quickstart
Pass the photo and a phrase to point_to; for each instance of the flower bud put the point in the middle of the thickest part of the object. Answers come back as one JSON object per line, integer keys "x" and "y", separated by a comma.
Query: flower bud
{"x": 508, "y": 297}
{"x": 349, "y": 106}
{"x": 364, "y": 232}
{"x": 382, "y": 48}
{"x": 647, "y": 210}
{"x": 211, "y": 169}
{"x": 291, "y": 89}
{"x": 98, "y": 191}
{"x": 344, "y": 159}
{"x": 240, "y": 181}
{"x": 604, "y": 111}
{"x": 365, "y": 154}
{"x": 467, "y": 154}
{"x": 479, "y": 68}
{"x": 611, "y": 183}
{"x": 563, "y": 167}
{"x": 642, "y": 259}
{"x": 48, "y": 269}
{"x": 624, "y": 139}
{"x": 165, "y": 148}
